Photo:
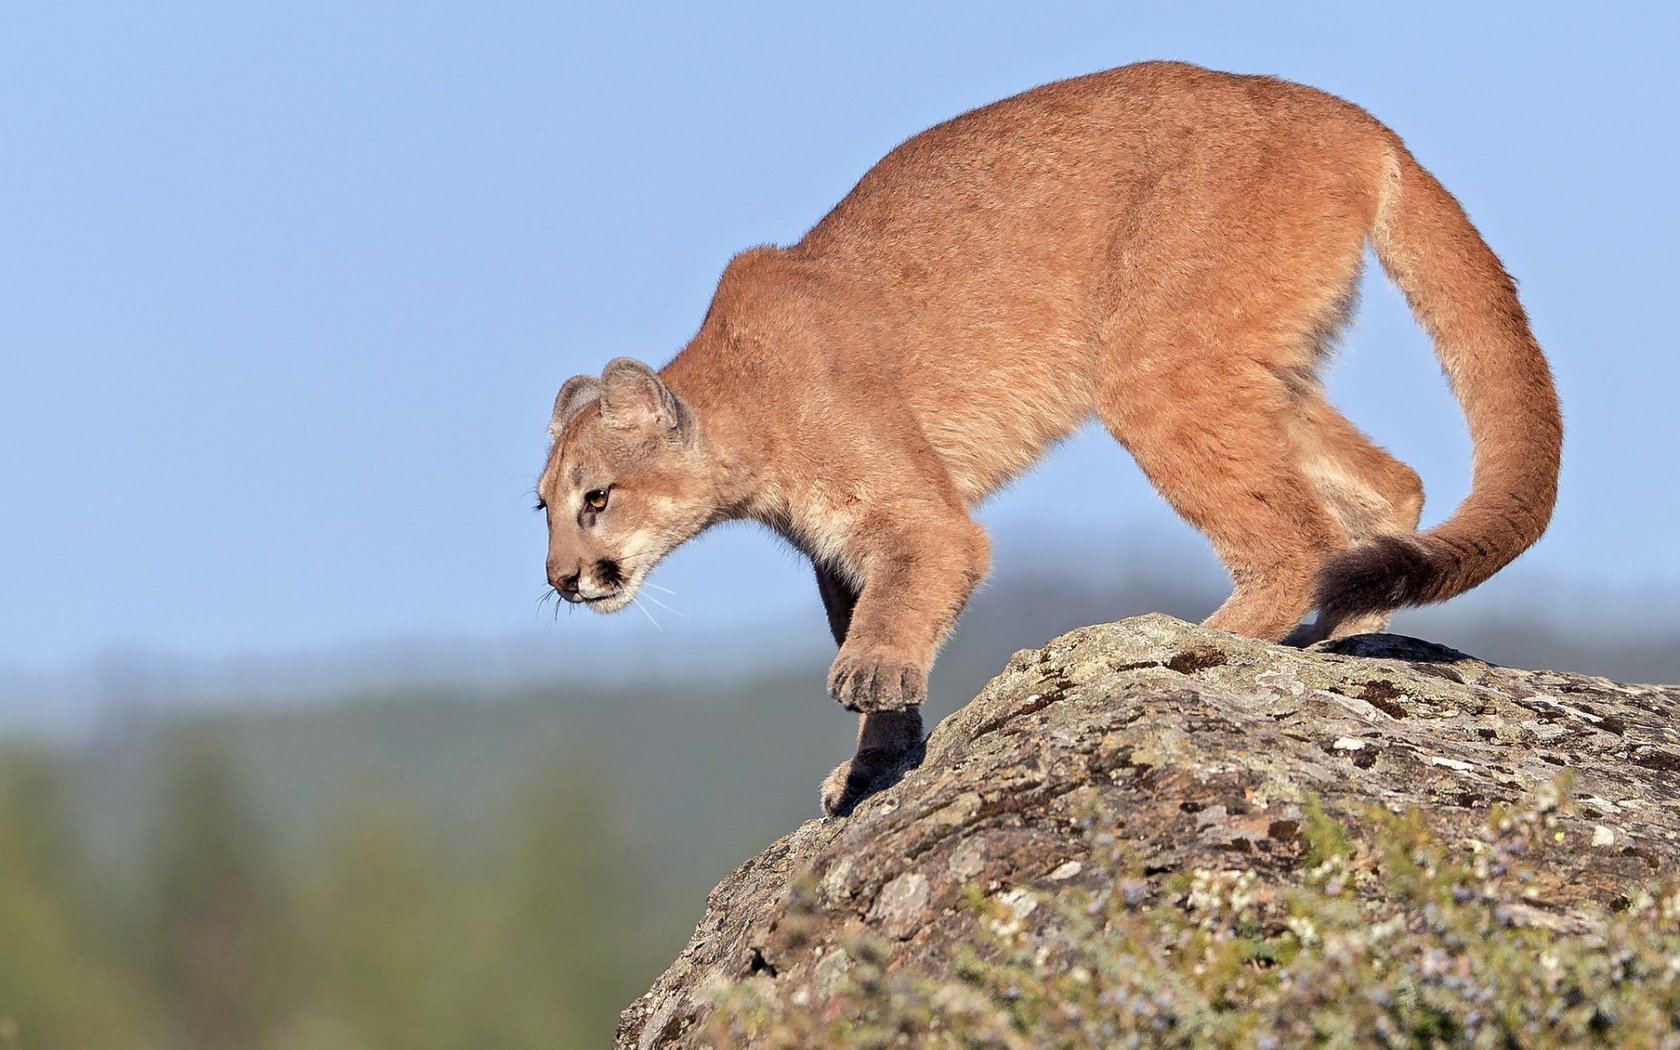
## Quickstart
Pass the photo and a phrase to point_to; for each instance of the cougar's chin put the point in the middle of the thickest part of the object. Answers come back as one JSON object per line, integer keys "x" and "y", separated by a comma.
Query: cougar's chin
{"x": 611, "y": 603}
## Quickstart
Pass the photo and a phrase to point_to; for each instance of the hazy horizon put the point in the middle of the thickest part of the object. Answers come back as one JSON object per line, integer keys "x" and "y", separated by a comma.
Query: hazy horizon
{"x": 1031, "y": 595}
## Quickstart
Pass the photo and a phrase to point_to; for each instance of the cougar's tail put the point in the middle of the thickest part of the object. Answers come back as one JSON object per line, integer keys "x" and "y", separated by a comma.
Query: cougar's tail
{"x": 1468, "y": 304}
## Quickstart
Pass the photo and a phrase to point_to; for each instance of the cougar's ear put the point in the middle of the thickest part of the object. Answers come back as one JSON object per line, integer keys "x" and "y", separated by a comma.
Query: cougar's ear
{"x": 578, "y": 393}
{"x": 633, "y": 397}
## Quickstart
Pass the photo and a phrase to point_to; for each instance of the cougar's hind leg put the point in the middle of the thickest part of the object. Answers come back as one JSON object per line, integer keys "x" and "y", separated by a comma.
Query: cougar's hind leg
{"x": 1368, "y": 491}
{"x": 888, "y": 741}
{"x": 1215, "y": 447}
{"x": 1219, "y": 302}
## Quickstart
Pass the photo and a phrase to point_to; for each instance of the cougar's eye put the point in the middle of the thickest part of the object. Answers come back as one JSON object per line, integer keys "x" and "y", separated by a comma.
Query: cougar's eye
{"x": 595, "y": 499}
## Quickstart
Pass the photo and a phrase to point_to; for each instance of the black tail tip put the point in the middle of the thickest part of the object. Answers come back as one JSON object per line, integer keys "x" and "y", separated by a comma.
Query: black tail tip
{"x": 1380, "y": 575}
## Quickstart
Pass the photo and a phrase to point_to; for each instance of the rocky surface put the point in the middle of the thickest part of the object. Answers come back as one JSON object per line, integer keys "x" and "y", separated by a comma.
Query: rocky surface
{"x": 1202, "y": 747}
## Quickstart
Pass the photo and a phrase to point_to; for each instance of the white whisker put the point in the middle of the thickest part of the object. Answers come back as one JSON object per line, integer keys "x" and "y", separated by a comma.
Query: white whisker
{"x": 662, "y": 605}
{"x": 638, "y": 603}
{"x": 656, "y": 587}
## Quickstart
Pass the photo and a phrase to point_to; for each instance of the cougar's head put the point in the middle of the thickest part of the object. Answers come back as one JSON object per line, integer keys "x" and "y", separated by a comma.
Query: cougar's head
{"x": 628, "y": 478}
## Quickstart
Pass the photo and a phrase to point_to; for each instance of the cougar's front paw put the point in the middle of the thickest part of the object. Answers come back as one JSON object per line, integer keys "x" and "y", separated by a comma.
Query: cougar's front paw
{"x": 872, "y": 682}
{"x": 889, "y": 744}
{"x": 861, "y": 776}
{"x": 845, "y": 787}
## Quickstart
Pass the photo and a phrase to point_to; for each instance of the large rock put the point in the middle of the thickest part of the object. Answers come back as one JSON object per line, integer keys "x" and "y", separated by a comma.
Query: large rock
{"x": 1203, "y": 747}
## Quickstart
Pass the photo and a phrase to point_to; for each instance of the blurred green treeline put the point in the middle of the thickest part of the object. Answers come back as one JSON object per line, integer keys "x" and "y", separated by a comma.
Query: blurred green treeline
{"x": 405, "y": 869}
{"x": 384, "y": 933}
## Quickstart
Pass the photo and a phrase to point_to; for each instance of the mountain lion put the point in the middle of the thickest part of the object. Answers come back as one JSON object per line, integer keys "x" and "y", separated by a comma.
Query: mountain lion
{"x": 1169, "y": 248}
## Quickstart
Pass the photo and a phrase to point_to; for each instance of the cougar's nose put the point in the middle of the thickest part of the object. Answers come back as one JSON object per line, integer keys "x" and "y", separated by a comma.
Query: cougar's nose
{"x": 563, "y": 581}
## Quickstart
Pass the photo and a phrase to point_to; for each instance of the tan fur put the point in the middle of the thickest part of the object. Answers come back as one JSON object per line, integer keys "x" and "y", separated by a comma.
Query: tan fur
{"x": 1166, "y": 247}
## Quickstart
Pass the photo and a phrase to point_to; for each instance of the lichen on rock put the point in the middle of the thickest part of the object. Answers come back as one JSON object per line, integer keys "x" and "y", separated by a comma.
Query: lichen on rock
{"x": 1161, "y": 774}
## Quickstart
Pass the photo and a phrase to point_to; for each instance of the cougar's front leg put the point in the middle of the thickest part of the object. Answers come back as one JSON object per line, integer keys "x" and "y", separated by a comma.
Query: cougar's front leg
{"x": 888, "y": 741}
{"x": 917, "y": 575}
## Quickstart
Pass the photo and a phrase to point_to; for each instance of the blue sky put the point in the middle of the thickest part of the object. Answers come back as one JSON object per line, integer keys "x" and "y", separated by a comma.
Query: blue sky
{"x": 286, "y": 290}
